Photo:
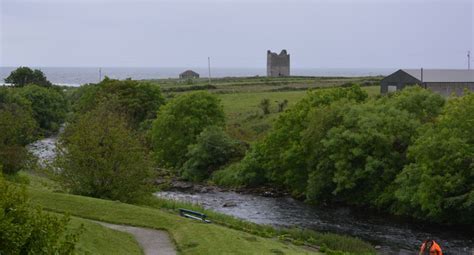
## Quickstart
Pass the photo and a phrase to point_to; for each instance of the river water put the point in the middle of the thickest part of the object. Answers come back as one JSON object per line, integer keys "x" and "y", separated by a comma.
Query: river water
{"x": 393, "y": 235}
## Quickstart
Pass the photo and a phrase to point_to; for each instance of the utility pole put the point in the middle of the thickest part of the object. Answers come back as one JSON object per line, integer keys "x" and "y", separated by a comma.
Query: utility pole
{"x": 468, "y": 60}
{"x": 100, "y": 74}
{"x": 209, "y": 68}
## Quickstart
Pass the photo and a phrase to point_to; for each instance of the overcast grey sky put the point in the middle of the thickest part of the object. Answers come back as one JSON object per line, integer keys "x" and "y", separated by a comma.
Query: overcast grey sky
{"x": 166, "y": 33}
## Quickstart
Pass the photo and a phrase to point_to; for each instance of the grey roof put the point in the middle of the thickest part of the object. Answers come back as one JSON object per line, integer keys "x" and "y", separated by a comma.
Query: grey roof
{"x": 442, "y": 75}
{"x": 189, "y": 72}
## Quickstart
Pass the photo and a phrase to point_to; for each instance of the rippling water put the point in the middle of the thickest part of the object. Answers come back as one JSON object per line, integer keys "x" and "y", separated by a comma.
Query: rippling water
{"x": 393, "y": 235}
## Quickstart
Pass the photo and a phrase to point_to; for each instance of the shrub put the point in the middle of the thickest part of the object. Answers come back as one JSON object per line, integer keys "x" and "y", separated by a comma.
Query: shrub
{"x": 280, "y": 154}
{"x": 100, "y": 157}
{"x": 49, "y": 106}
{"x": 439, "y": 183}
{"x": 265, "y": 106}
{"x": 213, "y": 149}
{"x": 359, "y": 156}
{"x": 29, "y": 230}
{"x": 18, "y": 128}
{"x": 179, "y": 123}
{"x": 139, "y": 101}
{"x": 247, "y": 172}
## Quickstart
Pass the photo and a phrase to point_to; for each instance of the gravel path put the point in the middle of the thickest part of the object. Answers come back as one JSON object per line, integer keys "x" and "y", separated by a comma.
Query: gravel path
{"x": 153, "y": 242}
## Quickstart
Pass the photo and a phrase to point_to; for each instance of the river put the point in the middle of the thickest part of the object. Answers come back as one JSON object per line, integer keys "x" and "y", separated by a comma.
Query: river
{"x": 392, "y": 234}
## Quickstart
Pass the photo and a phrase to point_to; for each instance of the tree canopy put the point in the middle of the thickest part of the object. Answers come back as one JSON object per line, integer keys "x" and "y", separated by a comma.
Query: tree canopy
{"x": 18, "y": 128}
{"x": 180, "y": 121}
{"x": 48, "y": 104}
{"x": 439, "y": 183}
{"x": 23, "y": 76}
{"x": 140, "y": 101}
{"x": 99, "y": 156}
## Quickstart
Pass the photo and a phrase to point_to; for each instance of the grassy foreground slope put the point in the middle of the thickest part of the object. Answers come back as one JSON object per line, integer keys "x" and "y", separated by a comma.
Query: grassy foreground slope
{"x": 97, "y": 239}
{"x": 191, "y": 237}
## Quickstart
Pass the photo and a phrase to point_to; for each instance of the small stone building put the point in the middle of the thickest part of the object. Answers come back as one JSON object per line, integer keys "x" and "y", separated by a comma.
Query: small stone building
{"x": 442, "y": 81}
{"x": 278, "y": 65}
{"x": 188, "y": 74}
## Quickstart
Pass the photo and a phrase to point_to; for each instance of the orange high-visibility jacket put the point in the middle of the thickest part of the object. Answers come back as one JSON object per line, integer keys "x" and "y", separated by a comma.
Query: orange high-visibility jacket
{"x": 435, "y": 249}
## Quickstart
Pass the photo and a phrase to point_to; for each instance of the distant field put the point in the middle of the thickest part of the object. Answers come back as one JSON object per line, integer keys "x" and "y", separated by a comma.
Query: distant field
{"x": 241, "y": 96}
{"x": 246, "y": 121}
{"x": 261, "y": 84}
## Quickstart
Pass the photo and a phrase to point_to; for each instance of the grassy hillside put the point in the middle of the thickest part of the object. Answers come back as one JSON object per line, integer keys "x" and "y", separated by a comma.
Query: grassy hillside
{"x": 191, "y": 237}
{"x": 226, "y": 235}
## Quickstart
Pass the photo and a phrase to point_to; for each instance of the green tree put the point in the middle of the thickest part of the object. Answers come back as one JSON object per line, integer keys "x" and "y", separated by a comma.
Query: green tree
{"x": 179, "y": 123}
{"x": 100, "y": 157}
{"x": 48, "y": 104}
{"x": 281, "y": 152}
{"x": 140, "y": 101}
{"x": 27, "y": 229}
{"x": 213, "y": 149}
{"x": 439, "y": 184}
{"x": 423, "y": 104}
{"x": 17, "y": 129}
{"x": 24, "y": 75}
{"x": 359, "y": 156}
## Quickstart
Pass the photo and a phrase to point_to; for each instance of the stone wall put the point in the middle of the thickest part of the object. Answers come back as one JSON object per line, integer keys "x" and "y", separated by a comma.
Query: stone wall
{"x": 278, "y": 65}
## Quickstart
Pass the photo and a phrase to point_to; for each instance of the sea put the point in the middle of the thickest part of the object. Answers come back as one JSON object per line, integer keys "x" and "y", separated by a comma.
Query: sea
{"x": 76, "y": 76}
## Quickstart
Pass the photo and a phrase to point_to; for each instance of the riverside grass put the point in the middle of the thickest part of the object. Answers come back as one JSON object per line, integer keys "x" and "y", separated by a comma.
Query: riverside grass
{"x": 162, "y": 214}
{"x": 190, "y": 237}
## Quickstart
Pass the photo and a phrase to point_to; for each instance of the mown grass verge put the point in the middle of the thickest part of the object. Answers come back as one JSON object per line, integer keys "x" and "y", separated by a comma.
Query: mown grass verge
{"x": 330, "y": 243}
{"x": 190, "y": 237}
{"x": 162, "y": 214}
{"x": 96, "y": 239}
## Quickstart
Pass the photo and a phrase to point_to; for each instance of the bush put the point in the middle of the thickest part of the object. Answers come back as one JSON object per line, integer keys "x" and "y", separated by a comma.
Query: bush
{"x": 18, "y": 128}
{"x": 280, "y": 154}
{"x": 179, "y": 123}
{"x": 247, "y": 172}
{"x": 265, "y": 106}
{"x": 422, "y": 104}
{"x": 49, "y": 106}
{"x": 29, "y": 230}
{"x": 439, "y": 184}
{"x": 213, "y": 149}
{"x": 24, "y": 75}
{"x": 359, "y": 153}
{"x": 139, "y": 101}
{"x": 100, "y": 157}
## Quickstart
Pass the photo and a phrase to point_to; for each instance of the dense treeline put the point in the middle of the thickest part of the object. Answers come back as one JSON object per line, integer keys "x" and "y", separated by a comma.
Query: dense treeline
{"x": 118, "y": 127}
{"x": 408, "y": 153}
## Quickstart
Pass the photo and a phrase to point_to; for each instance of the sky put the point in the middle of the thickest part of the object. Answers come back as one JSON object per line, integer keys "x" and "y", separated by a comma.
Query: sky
{"x": 176, "y": 33}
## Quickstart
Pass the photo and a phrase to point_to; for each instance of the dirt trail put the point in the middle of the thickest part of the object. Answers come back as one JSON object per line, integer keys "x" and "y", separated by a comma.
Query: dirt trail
{"x": 153, "y": 242}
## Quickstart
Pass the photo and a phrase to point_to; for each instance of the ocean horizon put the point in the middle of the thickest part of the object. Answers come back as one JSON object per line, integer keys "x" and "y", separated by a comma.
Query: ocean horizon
{"x": 76, "y": 76}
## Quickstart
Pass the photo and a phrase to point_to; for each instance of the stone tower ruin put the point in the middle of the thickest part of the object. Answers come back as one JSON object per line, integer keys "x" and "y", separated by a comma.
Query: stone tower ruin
{"x": 278, "y": 65}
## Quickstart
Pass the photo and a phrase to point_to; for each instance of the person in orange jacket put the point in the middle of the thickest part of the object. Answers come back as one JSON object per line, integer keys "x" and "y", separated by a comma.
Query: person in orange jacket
{"x": 430, "y": 247}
